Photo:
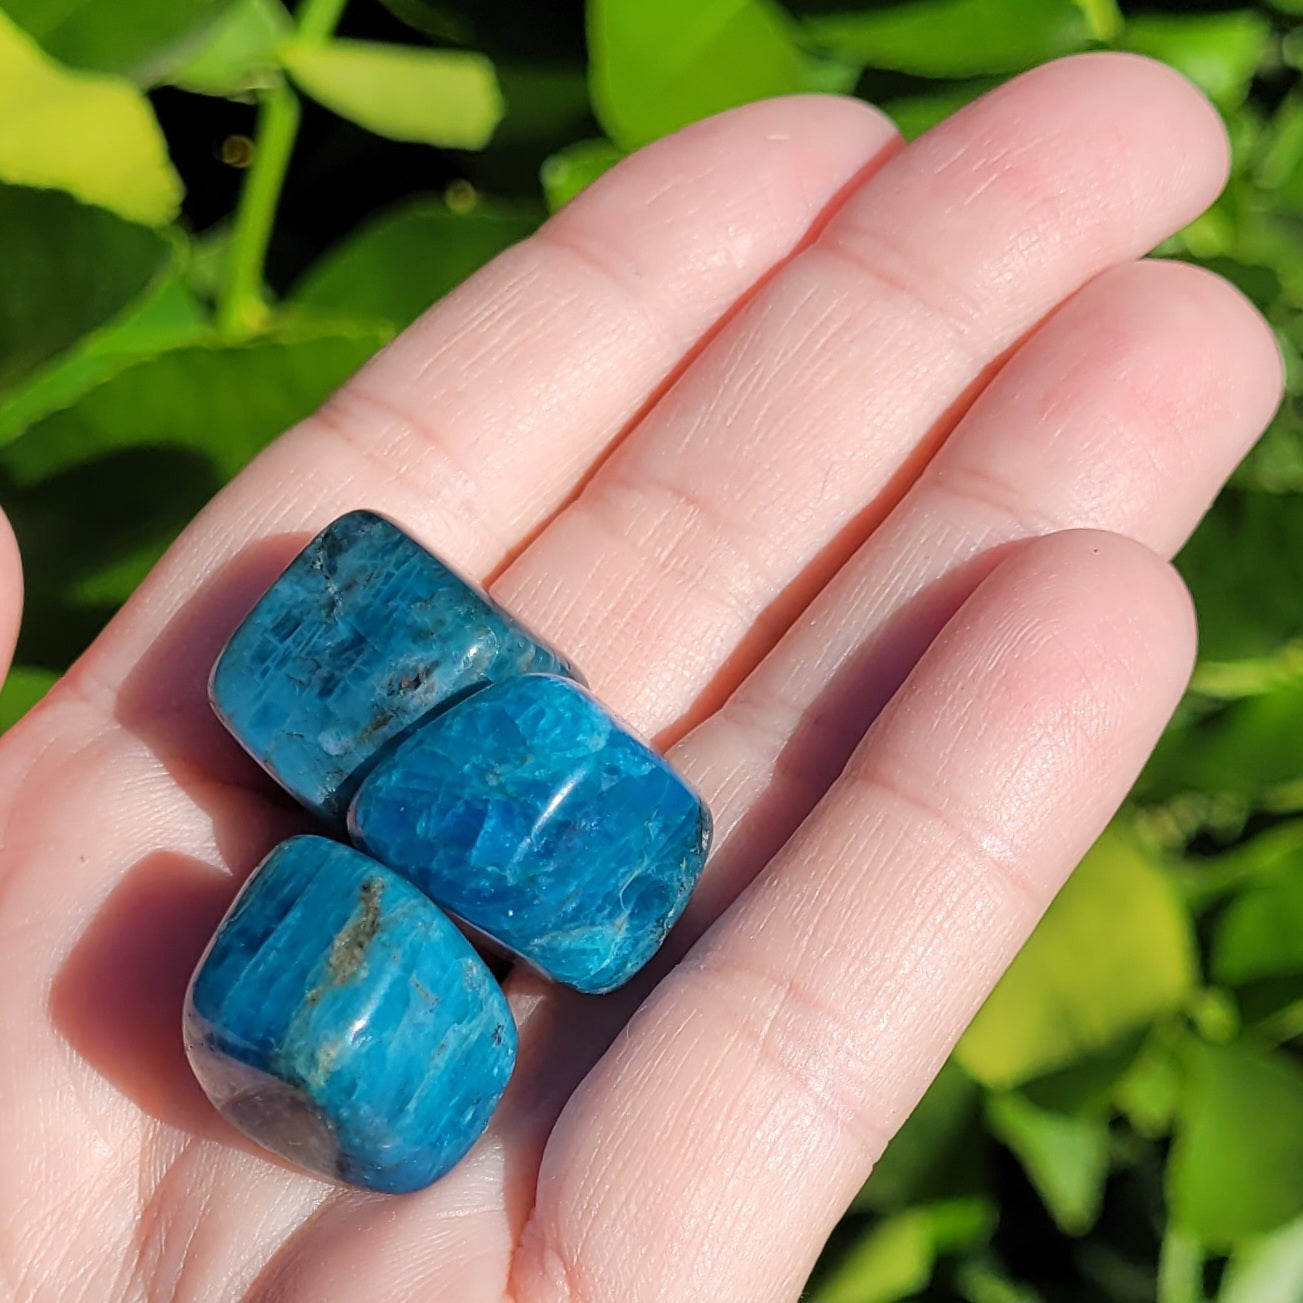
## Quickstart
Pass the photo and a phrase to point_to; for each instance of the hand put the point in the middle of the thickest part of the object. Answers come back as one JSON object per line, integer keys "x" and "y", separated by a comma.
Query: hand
{"x": 780, "y": 430}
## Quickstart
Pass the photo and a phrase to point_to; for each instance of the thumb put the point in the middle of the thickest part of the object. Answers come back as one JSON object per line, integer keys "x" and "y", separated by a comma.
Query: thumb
{"x": 11, "y": 594}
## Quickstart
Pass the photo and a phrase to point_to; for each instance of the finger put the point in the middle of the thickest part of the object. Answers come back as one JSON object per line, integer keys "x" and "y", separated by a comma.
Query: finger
{"x": 802, "y": 421}
{"x": 11, "y": 594}
{"x": 762, "y": 1078}
{"x": 481, "y": 419}
{"x": 122, "y": 826}
{"x": 1125, "y": 412}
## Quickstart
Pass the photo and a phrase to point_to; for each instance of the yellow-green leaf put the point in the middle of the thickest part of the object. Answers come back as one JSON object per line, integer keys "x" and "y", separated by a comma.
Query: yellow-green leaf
{"x": 434, "y": 97}
{"x": 90, "y": 134}
{"x": 1113, "y": 952}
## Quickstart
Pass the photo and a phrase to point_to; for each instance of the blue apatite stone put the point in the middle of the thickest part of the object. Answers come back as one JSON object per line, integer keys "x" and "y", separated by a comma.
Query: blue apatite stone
{"x": 364, "y": 635}
{"x": 530, "y": 813}
{"x": 341, "y": 1020}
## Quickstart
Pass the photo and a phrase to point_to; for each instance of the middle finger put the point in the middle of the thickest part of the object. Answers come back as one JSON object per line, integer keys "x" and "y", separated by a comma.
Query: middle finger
{"x": 699, "y": 540}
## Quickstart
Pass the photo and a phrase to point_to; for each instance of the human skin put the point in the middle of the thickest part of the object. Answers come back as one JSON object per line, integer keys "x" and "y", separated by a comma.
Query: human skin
{"x": 847, "y": 472}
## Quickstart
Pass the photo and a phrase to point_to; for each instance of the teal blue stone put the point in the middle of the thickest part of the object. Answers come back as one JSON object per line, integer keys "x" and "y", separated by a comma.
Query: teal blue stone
{"x": 342, "y": 1021}
{"x": 527, "y": 811}
{"x": 365, "y": 635}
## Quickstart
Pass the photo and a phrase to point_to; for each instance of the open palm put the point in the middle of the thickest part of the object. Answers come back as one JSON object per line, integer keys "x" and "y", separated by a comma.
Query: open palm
{"x": 776, "y": 430}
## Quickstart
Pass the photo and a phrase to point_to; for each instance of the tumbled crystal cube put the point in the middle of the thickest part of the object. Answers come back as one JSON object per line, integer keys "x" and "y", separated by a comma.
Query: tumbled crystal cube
{"x": 341, "y": 1020}
{"x": 529, "y": 812}
{"x": 364, "y": 635}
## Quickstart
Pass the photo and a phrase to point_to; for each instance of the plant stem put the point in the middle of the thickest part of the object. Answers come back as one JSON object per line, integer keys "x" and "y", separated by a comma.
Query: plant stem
{"x": 243, "y": 307}
{"x": 1180, "y": 1269}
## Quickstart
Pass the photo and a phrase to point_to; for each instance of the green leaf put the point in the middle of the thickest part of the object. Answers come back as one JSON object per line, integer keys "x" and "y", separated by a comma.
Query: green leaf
{"x": 96, "y": 492}
{"x": 925, "y": 1149}
{"x": 24, "y": 687}
{"x": 167, "y": 316}
{"x": 576, "y": 167}
{"x": 1246, "y": 750}
{"x": 916, "y": 114}
{"x": 1247, "y": 534}
{"x": 981, "y": 1279}
{"x": 898, "y": 1256}
{"x": 224, "y": 400}
{"x": 91, "y": 135}
{"x": 434, "y": 97}
{"x": 1113, "y": 952}
{"x": 1065, "y": 1156}
{"x": 239, "y": 53}
{"x": 1218, "y": 52}
{"x": 140, "y": 39}
{"x": 1236, "y": 1169}
{"x": 398, "y": 264}
{"x": 544, "y": 105}
{"x": 1258, "y": 935}
{"x": 1253, "y": 862}
{"x": 1150, "y": 1092}
{"x": 1268, "y": 1269}
{"x": 962, "y": 38}
{"x": 656, "y": 67}
{"x": 71, "y": 268}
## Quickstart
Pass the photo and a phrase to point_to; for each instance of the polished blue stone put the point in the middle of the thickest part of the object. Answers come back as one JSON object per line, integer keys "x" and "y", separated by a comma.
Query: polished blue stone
{"x": 341, "y": 1020}
{"x": 364, "y": 635}
{"x": 531, "y": 814}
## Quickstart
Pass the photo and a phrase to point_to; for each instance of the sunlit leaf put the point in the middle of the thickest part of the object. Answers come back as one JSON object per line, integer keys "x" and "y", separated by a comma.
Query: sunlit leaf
{"x": 655, "y": 67}
{"x": 1065, "y": 1156}
{"x": 141, "y": 39}
{"x": 69, "y": 269}
{"x": 398, "y": 264}
{"x": 1237, "y": 1165}
{"x": 92, "y": 135}
{"x": 1113, "y": 952}
{"x": 962, "y": 38}
{"x": 434, "y": 97}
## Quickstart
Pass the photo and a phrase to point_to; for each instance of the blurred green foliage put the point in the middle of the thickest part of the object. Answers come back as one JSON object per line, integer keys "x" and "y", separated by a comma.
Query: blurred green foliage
{"x": 1124, "y": 1119}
